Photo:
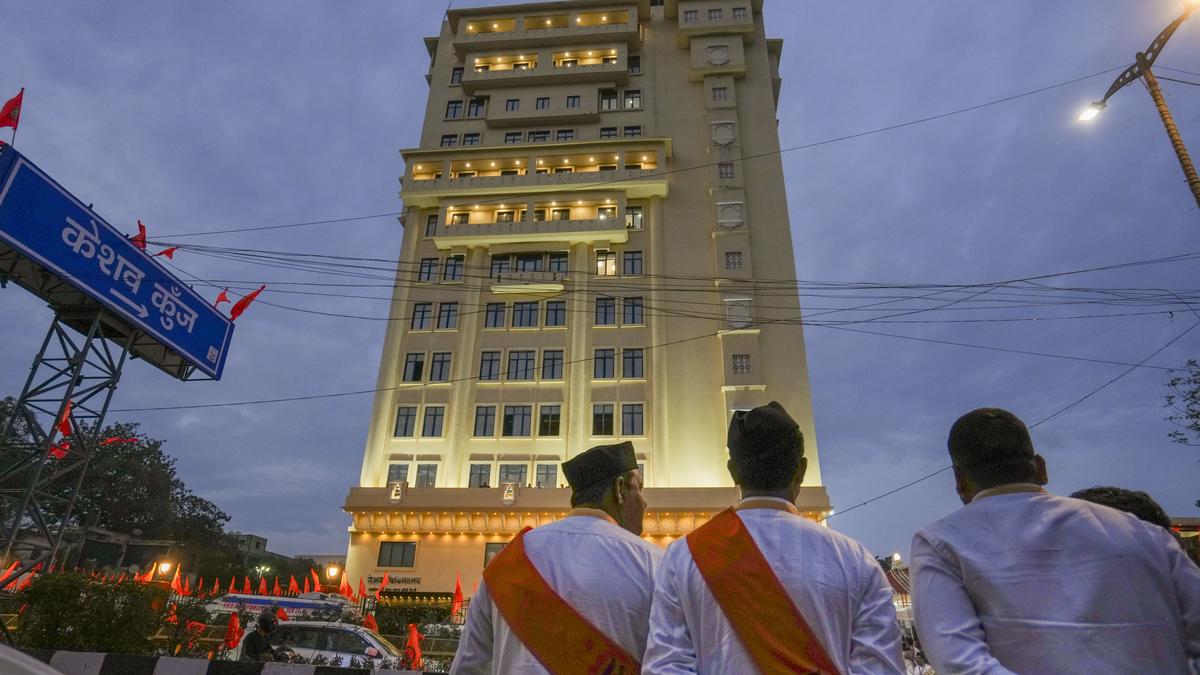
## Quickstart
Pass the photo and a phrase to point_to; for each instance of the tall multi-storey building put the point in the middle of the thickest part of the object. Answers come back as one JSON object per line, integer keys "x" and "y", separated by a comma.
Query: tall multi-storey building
{"x": 596, "y": 248}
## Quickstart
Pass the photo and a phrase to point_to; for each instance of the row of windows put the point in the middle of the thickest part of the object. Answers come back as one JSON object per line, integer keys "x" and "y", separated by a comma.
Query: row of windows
{"x": 633, "y": 263}
{"x": 608, "y": 99}
{"x": 717, "y": 14}
{"x": 634, "y": 218}
{"x": 422, "y": 316}
{"x": 516, "y": 422}
{"x": 537, "y": 136}
{"x": 522, "y": 365}
{"x": 480, "y": 475}
{"x": 452, "y": 268}
{"x": 634, "y": 62}
{"x": 525, "y": 314}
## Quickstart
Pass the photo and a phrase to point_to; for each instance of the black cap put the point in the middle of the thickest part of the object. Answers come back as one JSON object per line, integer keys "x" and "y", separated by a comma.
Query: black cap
{"x": 600, "y": 463}
{"x": 762, "y": 432}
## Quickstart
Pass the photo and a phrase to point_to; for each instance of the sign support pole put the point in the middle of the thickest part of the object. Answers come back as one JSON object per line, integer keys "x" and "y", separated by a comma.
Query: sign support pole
{"x": 37, "y": 490}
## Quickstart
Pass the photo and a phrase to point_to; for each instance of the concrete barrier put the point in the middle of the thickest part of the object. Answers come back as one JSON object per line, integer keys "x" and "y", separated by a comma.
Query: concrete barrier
{"x": 91, "y": 663}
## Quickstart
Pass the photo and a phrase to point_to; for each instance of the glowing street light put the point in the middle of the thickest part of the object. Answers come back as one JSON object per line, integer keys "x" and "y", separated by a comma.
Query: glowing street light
{"x": 1091, "y": 111}
{"x": 332, "y": 571}
{"x": 164, "y": 567}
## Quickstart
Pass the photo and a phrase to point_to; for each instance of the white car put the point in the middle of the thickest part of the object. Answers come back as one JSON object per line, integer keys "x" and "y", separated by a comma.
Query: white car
{"x": 309, "y": 639}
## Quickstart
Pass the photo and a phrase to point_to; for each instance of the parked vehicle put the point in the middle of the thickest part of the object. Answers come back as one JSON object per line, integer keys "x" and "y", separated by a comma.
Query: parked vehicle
{"x": 331, "y": 641}
{"x": 304, "y": 606}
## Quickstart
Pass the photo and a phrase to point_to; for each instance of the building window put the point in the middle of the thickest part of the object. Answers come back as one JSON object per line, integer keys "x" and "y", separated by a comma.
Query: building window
{"x": 428, "y": 270}
{"x": 733, "y": 260}
{"x": 635, "y": 64}
{"x": 549, "y": 420}
{"x": 572, "y": 101}
{"x": 471, "y": 139}
{"x": 633, "y": 217}
{"x": 485, "y": 421}
{"x": 543, "y": 103}
{"x": 606, "y": 263}
{"x": 431, "y": 427}
{"x": 480, "y": 474}
{"x": 715, "y": 14}
{"x": 741, "y": 364}
{"x": 491, "y": 550}
{"x": 739, "y": 12}
{"x": 512, "y": 137}
{"x": 512, "y": 104}
{"x": 547, "y": 475}
{"x": 460, "y": 218}
{"x": 631, "y": 263}
{"x": 500, "y": 265}
{"x": 608, "y": 99}
{"x": 632, "y": 420}
{"x": 725, "y": 169}
{"x": 426, "y": 475}
{"x": 604, "y": 364}
{"x": 406, "y": 422}
{"x": 567, "y": 63}
{"x": 449, "y": 140}
{"x": 431, "y": 225}
{"x": 691, "y": 16}
{"x": 504, "y": 216}
{"x": 602, "y": 419}
{"x": 540, "y": 136}
{"x": 397, "y": 473}
{"x": 476, "y": 107}
{"x": 633, "y": 312}
{"x": 560, "y": 214}
{"x": 447, "y": 315}
{"x": 633, "y": 363}
{"x": 552, "y": 364}
{"x": 493, "y": 317}
{"x": 397, "y": 553}
{"x": 454, "y": 109}
{"x": 606, "y": 311}
{"x": 423, "y": 316}
{"x": 608, "y": 132}
{"x": 414, "y": 367}
{"x": 529, "y": 262}
{"x": 634, "y": 131}
{"x": 556, "y": 313}
{"x": 606, "y": 212}
{"x": 439, "y": 367}
{"x": 456, "y": 74}
{"x": 609, "y": 60}
{"x": 633, "y": 99}
{"x": 517, "y": 421}
{"x": 718, "y": 94}
{"x": 482, "y": 67}
{"x": 564, "y": 169}
{"x": 489, "y": 365}
{"x": 453, "y": 269}
{"x": 520, "y": 364}
{"x": 565, "y": 135}
{"x": 514, "y": 473}
{"x": 525, "y": 315}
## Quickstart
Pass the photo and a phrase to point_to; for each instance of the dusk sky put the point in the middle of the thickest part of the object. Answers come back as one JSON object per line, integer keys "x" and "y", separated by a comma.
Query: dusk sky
{"x": 195, "y": 117}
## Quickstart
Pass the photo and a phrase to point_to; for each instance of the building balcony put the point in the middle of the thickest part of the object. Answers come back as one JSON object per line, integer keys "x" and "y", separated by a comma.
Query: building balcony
{"x": 557, "y": 114}
{"x": 524, "y": 70}
{"x": 583, "y": 23}
{"x": 636, "y": 183}
{"x": 610, "y": 230}
{"x": 528, "y": 282}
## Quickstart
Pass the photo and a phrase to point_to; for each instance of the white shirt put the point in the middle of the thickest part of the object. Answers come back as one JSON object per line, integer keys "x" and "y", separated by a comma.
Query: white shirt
{"x": 832, "y": 579}
{"x": 1029, "y": 582}
{"x": 604, "y": 572}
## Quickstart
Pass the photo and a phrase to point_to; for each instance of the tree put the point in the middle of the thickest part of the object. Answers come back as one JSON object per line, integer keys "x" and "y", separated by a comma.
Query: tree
{"x": 1184, "y": 403}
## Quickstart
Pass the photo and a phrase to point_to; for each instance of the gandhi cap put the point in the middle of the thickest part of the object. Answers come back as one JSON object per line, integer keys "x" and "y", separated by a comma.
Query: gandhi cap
{"x": 764, "y": 432}
{"x": 599, "y": 463}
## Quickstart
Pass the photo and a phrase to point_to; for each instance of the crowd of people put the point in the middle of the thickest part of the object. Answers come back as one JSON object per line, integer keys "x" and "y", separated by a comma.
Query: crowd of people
{"x": 1019, "y": 580}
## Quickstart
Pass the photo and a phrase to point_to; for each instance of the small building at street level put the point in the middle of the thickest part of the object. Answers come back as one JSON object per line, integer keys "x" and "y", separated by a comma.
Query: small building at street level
{"x": 596, "y": 248}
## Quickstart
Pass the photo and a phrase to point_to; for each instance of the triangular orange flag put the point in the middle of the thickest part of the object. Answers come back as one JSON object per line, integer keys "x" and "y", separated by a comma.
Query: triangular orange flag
{"x": 216, "y": 589}
{"x": 262, "y": 586}
{"x": 293, "y": 587}
{"x": 281, "y": 614}
{"x": 139, "y": 239}
{"x": 370, "y": 623}
{"x": 276, "y": 590}
{"x": 223, "y": 296}
{"x": 362, "y": 588}
{"x": 382, "y": 585}
{"x": 10, "y": 114}
{"x": 187, "y": 587}
{"x": 233, "y": 631}
{"x": 456, "y": 605}
{"x": 307, "y": 585}
{"x": 241, "y": 305}
{"x": 176, "y": 584}
{"x": 246, "y": 588}
{"x": 232, "y": 585}
{"x": 168, "y": 253}
{"x": 199, "y": 587}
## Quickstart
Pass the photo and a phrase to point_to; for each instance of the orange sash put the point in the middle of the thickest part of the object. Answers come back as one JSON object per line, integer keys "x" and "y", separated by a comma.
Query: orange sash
{"x": 769, "y": 625}
{"x": 558, "y": 636}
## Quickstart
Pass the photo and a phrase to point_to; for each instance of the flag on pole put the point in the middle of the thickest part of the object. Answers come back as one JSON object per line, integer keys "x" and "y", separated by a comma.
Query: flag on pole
{"x": 456, "y": 605}
{"x": 232, "y": 585}
{"x": 187, "y": 586}
{"x": 370, "y": 623}
{"x": 293, "y": 587}
{"x": 169, "y": 253}
{"x": 362, "y": 588}
{"x": 316, "y": 580}
{"x": 139, "y": 239}
{"x": 276, "y": 590}
{"x": 241, "y": 305}
{"x": 233, "y": 631}
{"x": 246, "y": 588}
{"x": 382, "y": 585}
{"x": 10, "y": 114}
{"x": 282, "y": 615}
{"x": 216, "y": 589}
{"x": 200, "y": 587}
{"x": 345, "y": 588}
{"x": 10, "y": 569}
{"x": 262, "y": 586}
{"x": 176, "y": 585}
{"x": 307, "y": 585}
{"x": 223, "y": 296}
{"x": 412, "y": 648}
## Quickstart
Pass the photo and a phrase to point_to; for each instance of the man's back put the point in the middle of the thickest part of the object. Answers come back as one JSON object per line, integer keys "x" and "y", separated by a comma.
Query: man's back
{"x": 602, "y": 571}
{"x": 1058, "y": 585}
{"x": 832, "y": 580}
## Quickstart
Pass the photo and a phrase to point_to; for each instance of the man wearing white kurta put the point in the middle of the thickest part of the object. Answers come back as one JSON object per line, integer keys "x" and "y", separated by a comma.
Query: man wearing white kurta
{"x": 593, "y": 559}
{"x": 832, "y": 580}
{"x": 1020, "y": 580}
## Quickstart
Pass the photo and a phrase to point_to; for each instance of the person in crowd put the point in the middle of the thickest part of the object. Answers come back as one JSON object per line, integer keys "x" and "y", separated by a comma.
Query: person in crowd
{"x": 256, "y": 646}
{"x": 760, "y": 588}
{"x": 1020, "y": 580}
{"x": 572, "y": 596}
{"x": 1136, "y": 502}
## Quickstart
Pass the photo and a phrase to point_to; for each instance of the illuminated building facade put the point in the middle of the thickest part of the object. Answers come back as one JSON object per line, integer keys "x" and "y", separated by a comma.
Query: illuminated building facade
{"x": 586, "y": 259}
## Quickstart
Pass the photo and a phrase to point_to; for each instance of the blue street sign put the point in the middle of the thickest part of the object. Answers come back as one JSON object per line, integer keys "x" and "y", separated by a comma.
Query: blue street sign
{"x": 45, "y": 223}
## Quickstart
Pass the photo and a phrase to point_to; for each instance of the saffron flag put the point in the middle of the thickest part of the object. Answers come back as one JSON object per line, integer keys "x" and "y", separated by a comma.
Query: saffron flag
{"x": 187, "y": 586}
{"x": 370, "y": 623}
{"x": 293, "y": 587}
{"x": 456, "y": 605}
{"x": 223, "y": 296}
{"x": 59, "y": 450}
{"x": 232, "y": 585}
{"x": 277, "y": 590}
{"x": 262, "y": 586}
{"x": 345, "y": 588}
{"x": 241, "y": 305}
{"x": 233, "y": 631}
{"x": 246, "y": 589}
{"x": 216, "y": 589}
{"x": 121, "y": 579}
{"x": 9, "y": 571}
{"x": 307, "y": 585}
{"x": 362, "y": 588}
{"x": 169, "y": 253}
{"x": 10, "y": 114}
{"x": 412, "y": 648}
{"x": 282, "y": 615}
{"x": 199, "y": 587}
{"x": 64, "y": 421}
{"x": 176, "y": 585}
{"x": 382, "y": 585}
{"x": 139, "y": 239}
{"x": 316, "y": 580}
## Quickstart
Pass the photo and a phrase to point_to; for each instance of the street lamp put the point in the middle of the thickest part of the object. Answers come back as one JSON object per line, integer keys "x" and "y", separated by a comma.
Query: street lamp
{"x": 332, "y": 572}
{"x": 1141, "y": 69}
{"x": 164, "y": 567}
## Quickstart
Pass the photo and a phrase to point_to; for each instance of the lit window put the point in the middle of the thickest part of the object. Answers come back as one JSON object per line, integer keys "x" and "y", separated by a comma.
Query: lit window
{"x": 518, "y": 420}
{"x": 606, "y": 212}
{"x": 460, "y": 218}
{"x": 560, "y": 214}
{"x": 633, "y": 98}
{"x": 608, "y": 99}
{"x": 633, "y": 217}
{"x": 549, "y": 418}
{"x": 606, "y": 263}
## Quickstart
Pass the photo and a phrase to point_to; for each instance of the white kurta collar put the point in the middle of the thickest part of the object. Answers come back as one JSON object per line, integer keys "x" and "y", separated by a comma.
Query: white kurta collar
{"x": 1007, "y": 489}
